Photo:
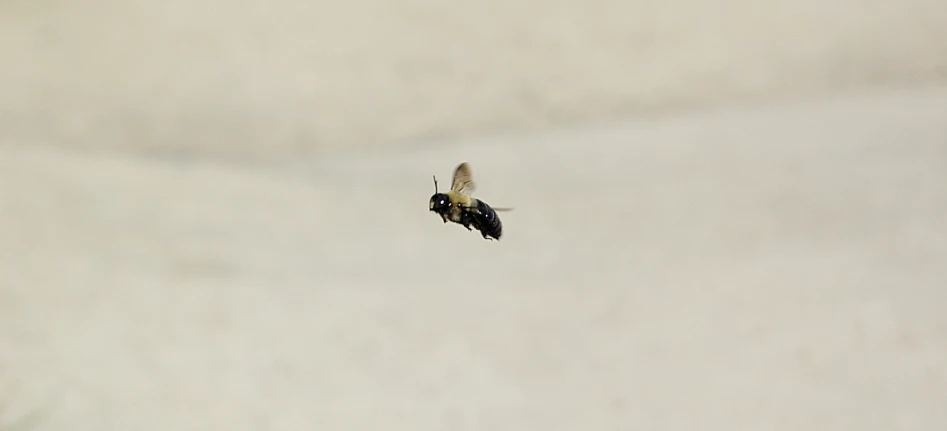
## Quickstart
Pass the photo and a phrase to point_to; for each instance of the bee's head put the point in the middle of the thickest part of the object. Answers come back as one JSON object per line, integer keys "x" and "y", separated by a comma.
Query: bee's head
{"x": 439, "y": 203}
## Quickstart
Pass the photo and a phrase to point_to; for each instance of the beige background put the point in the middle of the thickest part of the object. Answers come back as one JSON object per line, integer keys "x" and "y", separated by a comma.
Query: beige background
{"x": 729, "y": 216}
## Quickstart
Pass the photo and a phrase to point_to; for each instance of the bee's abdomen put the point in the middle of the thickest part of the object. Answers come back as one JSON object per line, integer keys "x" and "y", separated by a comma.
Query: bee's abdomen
{"x": 490, "y": 224}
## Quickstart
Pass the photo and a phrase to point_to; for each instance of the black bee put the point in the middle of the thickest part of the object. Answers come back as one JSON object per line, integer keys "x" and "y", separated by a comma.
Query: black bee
{"x": 459, "y": 206}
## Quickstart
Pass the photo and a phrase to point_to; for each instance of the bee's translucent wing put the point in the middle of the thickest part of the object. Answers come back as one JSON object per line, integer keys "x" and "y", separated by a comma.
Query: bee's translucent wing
{"x": 463, "y": 180}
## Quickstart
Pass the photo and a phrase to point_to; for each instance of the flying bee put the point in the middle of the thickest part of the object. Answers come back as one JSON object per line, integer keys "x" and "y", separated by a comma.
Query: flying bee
{"x": 459, "y": 206}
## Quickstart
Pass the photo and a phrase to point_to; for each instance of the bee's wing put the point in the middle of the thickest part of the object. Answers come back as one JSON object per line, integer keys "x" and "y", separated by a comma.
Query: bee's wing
{"x": 463, "y": 180}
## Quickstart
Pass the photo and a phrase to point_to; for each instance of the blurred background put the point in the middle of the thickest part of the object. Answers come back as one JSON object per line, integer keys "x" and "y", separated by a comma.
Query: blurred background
{"x": 730, "y": 215}
{"x": 300, "y": 79}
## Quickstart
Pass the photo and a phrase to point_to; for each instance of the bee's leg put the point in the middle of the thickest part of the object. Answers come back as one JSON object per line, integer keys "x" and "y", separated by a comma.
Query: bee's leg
{"x": 465, "y": 220}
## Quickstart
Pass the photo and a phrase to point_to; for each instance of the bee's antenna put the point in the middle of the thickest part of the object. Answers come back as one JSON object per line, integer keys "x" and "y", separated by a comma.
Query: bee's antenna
{"x": 435, "y": 183}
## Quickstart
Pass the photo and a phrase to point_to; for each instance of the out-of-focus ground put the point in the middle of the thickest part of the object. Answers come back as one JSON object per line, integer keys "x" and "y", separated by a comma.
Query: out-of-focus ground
{"x": 276, "y": 79}
{"x": 728, "y": 218}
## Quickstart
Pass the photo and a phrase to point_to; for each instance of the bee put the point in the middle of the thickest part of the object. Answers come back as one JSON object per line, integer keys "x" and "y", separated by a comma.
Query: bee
{"x": 459, "y": 206}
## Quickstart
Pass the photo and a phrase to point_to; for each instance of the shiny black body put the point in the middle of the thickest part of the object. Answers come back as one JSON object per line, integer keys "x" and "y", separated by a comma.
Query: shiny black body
{"x": 482, "y": 217}
{"x": 485, "y": 219}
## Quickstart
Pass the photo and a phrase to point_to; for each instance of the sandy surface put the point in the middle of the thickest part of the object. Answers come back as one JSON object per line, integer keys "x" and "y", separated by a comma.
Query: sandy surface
{"x": 294, "y": 78}
{"x": 729, "y": 218}
{"x": 778, "y": 268}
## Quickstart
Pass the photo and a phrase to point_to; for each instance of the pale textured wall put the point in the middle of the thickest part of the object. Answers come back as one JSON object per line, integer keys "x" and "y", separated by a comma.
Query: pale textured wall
{"x": 281, "y": 78}
{"x": 778, "y": 266}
